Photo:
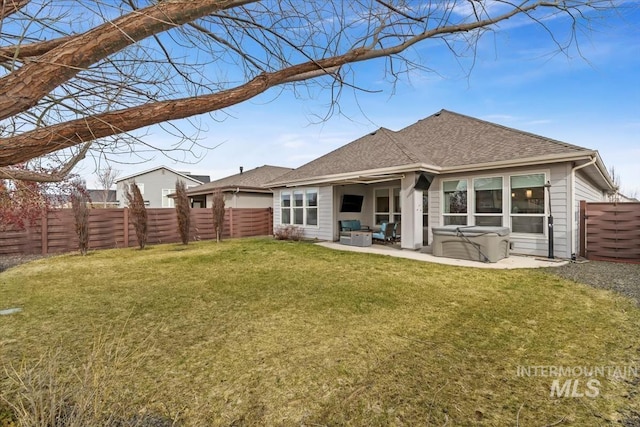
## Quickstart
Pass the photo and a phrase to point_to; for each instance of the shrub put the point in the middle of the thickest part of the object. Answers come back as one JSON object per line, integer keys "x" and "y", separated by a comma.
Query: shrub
{"x": 290, "y": 232}
{"x": 218, "y": 214}
{"x": 138, "y": 213}
{"x": 79, "y": 204}
{"x": 183, "y": 210}
{"x": 56, "y": 392}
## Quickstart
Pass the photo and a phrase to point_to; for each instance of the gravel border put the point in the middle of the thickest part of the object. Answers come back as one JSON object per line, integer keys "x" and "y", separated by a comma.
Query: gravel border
{"x": 623, "y": 278}
{"x": 8, "y": 261}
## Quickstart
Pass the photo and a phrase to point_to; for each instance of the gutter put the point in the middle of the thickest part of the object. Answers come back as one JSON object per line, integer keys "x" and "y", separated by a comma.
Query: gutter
{"x": 436, "y": 170}
{"x": 554, "y": 158}
{"x": 601, "y": 167}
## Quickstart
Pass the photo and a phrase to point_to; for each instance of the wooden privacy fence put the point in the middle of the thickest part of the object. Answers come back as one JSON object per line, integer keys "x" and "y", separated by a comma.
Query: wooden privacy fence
{"x": 112, "y": 228}
{"x": 610, "y": 231}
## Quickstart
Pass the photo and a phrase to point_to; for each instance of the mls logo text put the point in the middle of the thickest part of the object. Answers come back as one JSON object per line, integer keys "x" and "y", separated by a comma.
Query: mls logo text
{"x": 577, "y": 381}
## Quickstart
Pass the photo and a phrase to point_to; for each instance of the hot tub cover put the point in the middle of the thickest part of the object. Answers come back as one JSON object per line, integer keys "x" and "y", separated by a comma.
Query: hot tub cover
{"x": 470, "y": 230}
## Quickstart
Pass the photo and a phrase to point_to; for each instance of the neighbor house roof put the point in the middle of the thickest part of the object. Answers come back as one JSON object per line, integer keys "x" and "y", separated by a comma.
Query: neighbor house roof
{"x": 195, "y": 178}
{"x": 202, "y": 178}
{"x": 441, "y": 143}
{"x": 97, "y": 196}
{"x": 254, "y": 180}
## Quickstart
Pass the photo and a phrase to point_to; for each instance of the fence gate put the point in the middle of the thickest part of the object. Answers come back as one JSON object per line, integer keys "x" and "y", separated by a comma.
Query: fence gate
{"x": 610, "y": 231}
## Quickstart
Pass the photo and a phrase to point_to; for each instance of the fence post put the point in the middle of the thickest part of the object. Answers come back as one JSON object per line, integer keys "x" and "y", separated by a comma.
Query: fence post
{"x": 231, "y": 230}
{"x": 270, "y": 228}
{"x": 44, "y": 232}
{"x": 583, "y": 228}
{"x": 125, "y": 220}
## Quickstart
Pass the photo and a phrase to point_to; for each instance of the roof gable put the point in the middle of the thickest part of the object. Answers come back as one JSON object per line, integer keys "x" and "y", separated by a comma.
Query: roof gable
{"x": 186, "y": 176}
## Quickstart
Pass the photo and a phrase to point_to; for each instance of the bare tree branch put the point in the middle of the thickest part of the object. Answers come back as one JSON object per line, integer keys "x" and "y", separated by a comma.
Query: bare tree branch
{"x": 53, "y": 176}
{"x": 23, "y": 88}
{"x": 67, "y": 81}
{"x": 9, "y": 7}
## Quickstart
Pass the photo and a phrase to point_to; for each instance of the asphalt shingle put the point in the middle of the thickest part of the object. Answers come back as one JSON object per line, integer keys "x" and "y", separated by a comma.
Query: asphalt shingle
{"x": 254, "y": 178}
{"x": 444, "y": 139}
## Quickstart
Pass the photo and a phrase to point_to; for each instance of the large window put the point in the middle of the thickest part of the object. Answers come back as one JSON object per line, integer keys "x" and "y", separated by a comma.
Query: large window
{"x": 299, "y": 207}
{"x": 528, "y": 203}
{"x": 285, "y": 208}
{"x": 383, "y": 205}
{"x": 488, "y": 201}
{"x": 167, "y": 202}
{"x": 312, "y": 207}
{"x": 387, "y": 205}
{"x": 455, "y": 202}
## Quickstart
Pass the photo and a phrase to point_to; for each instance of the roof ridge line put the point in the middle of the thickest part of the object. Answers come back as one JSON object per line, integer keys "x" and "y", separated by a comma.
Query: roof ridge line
{"x": 403, "y": 147}
{"x": 523, "y": 132}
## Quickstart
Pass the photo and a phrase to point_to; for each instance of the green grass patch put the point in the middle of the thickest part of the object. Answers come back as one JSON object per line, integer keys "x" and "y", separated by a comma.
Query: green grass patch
{"x": 263, "y": 332}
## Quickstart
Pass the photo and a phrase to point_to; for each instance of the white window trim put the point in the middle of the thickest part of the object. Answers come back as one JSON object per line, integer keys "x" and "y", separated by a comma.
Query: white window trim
{"x": 472, "y": 203}
{"x": 506, "y": 200}
{"x": 444, "y": 214}
{"x": 304, "y": 206}
{"x": 392, "y": 205}
{"x": 545, "y": 211}
{"x": 170, "y": 202}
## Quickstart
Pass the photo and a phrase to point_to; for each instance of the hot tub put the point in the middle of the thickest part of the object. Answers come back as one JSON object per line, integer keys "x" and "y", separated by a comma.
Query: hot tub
{"x": 475, "y": 243}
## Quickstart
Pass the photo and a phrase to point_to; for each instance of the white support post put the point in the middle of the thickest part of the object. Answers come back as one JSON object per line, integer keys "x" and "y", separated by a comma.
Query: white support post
{"x": 411, "y": 202}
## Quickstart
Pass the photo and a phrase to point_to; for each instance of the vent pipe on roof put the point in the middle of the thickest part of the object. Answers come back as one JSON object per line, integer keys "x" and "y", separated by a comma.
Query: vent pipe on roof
{"x": 241, "y": 169}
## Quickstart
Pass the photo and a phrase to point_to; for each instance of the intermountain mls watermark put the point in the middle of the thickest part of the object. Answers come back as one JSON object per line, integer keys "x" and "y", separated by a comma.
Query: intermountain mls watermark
{"x": 578, "y": 381}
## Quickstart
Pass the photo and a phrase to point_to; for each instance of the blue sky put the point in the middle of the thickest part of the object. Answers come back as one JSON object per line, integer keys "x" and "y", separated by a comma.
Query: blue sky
{"x": 591, "y": 100}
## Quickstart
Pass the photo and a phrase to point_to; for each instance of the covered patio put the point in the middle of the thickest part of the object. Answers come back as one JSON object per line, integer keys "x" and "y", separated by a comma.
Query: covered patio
{"x": 512, "y": 262}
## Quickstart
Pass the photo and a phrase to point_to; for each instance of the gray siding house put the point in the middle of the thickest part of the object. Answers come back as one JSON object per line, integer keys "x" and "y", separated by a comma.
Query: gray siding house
{"x": 156, "y": 184}
{"x": 246, "y": 189}
{"x": 447, "y": 169}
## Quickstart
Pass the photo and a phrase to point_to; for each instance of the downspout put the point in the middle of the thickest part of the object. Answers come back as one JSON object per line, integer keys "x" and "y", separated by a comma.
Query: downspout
{"x": 574, "y": 227}
{"x": 235, "y": 194}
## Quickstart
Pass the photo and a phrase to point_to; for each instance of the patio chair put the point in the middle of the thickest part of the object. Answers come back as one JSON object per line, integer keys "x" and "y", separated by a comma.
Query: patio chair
{"x": 397, "y": 232}
{"x": 386, "y": 232}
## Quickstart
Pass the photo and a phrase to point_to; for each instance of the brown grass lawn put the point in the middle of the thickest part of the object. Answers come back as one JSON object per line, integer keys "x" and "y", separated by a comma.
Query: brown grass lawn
{"x": 261, "y": 332}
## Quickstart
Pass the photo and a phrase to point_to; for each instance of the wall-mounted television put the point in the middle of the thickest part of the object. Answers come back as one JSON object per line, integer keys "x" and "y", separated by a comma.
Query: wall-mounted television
{"x": 351, "y": 203}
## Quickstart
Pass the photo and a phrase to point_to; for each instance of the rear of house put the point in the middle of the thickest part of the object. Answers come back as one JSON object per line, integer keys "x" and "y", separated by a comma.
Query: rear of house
{"x": 448, "y": 169}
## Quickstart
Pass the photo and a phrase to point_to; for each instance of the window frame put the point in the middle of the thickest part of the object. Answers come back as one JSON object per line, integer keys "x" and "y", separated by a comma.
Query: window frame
{"x": 304, "y": 208}
{"x": 394, "y": 214}
{"x": 446, "y": 215}
{"x": 543, "y": 215}
{"x": 506, "y": 200}
{"x": 171, "y": 202}
{"x": 287, "y": 208}
{"x": 474, "y": 211}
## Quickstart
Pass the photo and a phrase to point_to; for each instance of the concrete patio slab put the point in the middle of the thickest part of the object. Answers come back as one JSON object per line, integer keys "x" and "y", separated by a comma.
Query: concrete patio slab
{"x": 514, "y": 261}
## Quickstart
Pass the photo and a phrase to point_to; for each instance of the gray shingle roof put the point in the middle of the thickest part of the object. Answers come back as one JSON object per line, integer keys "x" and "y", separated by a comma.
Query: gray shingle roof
{"x": 451, "y": 139}
{"x": 254, "y": 178}
{"x": 201, "y": 178}
{"x": 97, "y": 196}
{"x": 445, "y": 139}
